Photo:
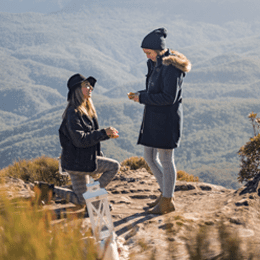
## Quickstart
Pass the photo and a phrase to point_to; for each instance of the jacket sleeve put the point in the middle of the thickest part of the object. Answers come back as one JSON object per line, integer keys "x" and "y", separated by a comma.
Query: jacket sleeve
{"x": 81, "y": 137}
{"x": 170, "y": 88}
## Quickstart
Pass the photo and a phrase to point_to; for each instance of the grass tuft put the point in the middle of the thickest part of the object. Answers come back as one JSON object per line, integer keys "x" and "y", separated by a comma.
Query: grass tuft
{"x": 40, "y": 169}
{"x": 27, "y": 232}
{"x": 135, "y": 163}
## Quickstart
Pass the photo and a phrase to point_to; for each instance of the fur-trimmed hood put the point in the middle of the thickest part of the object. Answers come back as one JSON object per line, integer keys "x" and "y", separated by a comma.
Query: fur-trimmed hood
{"x": 178, "y": 60}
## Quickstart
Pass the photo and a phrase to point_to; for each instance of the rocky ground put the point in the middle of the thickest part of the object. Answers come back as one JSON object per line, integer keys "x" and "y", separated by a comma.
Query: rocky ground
{"x": 201, "y": 208}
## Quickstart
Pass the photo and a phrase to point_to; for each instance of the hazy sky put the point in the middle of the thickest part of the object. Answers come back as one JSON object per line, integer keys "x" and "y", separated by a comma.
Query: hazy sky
{"x": 21, "y": 6}
{"x": 209, "y": 11}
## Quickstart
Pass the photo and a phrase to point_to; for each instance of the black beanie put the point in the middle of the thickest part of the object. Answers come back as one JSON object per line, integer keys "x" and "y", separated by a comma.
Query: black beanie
{"x": 155, "y": 40}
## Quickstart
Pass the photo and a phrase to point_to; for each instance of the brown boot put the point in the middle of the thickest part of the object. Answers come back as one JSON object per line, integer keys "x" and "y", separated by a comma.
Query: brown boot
{"x": 154, "y": 203}
{"x": 164, "y": 206}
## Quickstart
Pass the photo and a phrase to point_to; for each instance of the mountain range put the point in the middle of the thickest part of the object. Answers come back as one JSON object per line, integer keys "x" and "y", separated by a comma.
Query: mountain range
{"x": 40, "y": 48}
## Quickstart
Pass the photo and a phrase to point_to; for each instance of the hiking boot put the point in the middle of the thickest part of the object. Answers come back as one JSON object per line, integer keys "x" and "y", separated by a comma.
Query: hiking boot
{"x": 154, "y": 203}
{"x": 164, "y": 206}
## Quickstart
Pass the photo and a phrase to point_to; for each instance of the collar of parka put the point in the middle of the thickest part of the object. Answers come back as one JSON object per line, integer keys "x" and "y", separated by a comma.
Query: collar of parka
{"x": 177, "y": 60}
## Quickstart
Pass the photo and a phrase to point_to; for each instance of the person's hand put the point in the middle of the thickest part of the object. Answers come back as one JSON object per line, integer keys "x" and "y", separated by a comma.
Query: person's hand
{"x": 111, "y": 132}
{"x": 136, "y": 98}
{"x": 133, "y": 96}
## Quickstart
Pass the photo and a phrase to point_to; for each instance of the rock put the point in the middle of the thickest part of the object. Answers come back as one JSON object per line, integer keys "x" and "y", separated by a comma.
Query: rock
{"x": 243, "y": 232}
{"x": 185, "y": 186}
{"x": 252, "y": 186}
{"x": 243, "y": 202}
{"x": 205, "y": 187}
{"x": 236, "y": 220}
{"x": 167, "y": 226}
{"x": 209, "y": 223}
{"x": 17, "y": 188}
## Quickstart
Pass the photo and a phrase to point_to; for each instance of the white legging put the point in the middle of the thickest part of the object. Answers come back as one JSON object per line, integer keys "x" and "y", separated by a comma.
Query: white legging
{"x": 163, "y": 168}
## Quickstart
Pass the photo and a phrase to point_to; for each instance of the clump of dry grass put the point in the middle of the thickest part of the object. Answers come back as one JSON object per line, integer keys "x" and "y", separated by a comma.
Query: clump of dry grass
{"x": 184, "y": 176}
{"x": 202, "y": 243}
{"x": 135, "y": 163}
{"x": 26, "y": 232}
{"x": 46, "y": 169}
{"x": 40, "y": 169}
{"x": 230, "y": 245}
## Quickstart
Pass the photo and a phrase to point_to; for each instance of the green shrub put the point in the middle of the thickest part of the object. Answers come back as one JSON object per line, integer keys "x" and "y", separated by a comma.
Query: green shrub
{"x": 250, "y": 153}
{"x": 40, "y": 169}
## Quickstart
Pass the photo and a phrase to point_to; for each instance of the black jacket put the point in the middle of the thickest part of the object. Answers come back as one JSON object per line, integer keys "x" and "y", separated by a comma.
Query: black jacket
{"x": 163, "y": 115}
{"x": 80, "y": 138}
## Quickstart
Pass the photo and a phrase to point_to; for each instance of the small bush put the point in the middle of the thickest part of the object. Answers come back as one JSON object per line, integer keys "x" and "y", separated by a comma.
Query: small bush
{"x": 250, "y": 159}
{"x": 40, "y": 169}
{"x": 250, "y": 153}
{"x": 135, "y": 163}
{"x": 184, "y": 176}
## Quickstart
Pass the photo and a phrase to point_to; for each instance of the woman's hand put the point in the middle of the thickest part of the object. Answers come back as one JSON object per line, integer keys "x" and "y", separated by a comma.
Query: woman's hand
{"x": 111, "y": 132}
{"x": 133, "y": 96}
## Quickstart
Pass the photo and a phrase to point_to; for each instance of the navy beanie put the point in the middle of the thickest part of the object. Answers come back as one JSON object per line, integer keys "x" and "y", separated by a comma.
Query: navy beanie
{"x": 155, "y": 40}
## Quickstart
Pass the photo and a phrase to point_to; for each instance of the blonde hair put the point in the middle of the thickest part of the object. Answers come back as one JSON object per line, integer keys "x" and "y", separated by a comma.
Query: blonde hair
{"x": 84, "y": 106}
{"x": 160, "y": 52}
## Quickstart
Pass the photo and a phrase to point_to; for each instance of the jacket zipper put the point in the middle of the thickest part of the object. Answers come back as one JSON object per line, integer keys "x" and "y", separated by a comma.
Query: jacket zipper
{"x": 142, "y": 128}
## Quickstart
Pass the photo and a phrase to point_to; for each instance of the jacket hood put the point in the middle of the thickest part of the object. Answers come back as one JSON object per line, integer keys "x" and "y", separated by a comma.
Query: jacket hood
{"x": 177, "y": 60}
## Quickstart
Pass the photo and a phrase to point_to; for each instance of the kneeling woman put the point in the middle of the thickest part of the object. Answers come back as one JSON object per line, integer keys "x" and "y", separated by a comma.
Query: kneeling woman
{"x": 80, "y": 138}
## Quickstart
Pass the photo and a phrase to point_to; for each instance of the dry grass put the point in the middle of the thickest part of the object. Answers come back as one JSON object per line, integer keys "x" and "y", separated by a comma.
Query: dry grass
{"x": 40, "y": 169}
{"x": 47, "y": 169}
{"x": 202, "y": 243}
{"x": 135, "y": 163}
{"x": 230, "y": 245}
{"x": 184, "y": 176}
{"x": 26, "y": 232}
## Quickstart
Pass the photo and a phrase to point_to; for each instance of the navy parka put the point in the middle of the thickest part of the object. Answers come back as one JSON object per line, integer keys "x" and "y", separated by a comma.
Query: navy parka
{"x": 163, "y": 113}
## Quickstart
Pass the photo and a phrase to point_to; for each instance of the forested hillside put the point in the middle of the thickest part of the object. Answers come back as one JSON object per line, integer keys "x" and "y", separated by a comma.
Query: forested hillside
{"x": 40, "y": 51}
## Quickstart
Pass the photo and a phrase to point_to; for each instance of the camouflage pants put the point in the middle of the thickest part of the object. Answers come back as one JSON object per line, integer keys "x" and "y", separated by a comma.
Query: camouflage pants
{"x": 105, "y": 166}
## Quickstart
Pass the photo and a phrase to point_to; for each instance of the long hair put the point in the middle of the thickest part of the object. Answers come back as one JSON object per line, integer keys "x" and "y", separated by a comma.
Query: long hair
{"x": 84, "y": 106}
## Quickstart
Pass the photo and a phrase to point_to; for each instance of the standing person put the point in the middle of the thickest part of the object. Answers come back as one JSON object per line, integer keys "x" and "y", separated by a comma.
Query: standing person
{"x": 162, "y": 122}
{"x": 80, "y": 138}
